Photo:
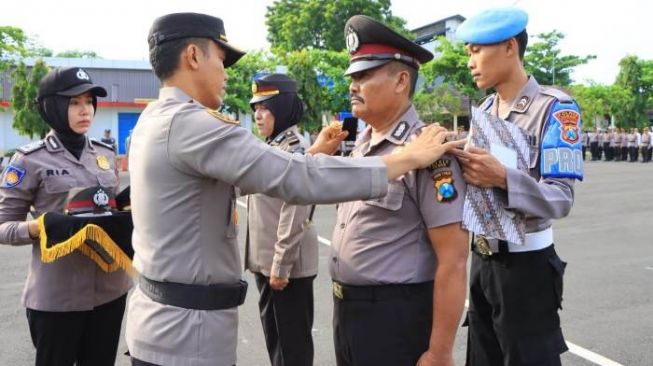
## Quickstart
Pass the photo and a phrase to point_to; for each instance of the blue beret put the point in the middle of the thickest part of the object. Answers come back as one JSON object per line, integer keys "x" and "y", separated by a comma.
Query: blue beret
{"x": 493, "y": 26}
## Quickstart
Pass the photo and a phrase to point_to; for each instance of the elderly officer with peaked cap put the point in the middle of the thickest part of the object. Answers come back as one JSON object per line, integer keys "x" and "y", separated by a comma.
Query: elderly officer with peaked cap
{"x": 186, "y": 163}
{"x": 515, "y": 289}
{"x": 387, "y": 252}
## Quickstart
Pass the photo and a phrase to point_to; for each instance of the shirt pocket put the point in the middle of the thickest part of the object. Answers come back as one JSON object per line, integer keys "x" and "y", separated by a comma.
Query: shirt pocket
{"x": 393, "y": 200}
{"x": 59, "y": 184}
{"x": 108, "y": 179}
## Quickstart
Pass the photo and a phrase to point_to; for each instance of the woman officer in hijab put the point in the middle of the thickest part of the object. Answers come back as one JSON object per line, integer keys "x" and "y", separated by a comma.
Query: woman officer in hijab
{"x": 74, "y": 309}
{"x": 282, "y": 247}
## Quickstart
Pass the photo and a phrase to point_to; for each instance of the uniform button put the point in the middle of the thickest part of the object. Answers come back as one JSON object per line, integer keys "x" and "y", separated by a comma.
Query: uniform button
{"x": 342, "y": 225}
{"x": 334, "y": 259}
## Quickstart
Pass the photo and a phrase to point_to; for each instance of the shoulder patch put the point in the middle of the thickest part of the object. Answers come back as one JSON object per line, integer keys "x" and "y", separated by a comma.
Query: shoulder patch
{"x": 100, "y": 143}
{"x": 12, "y": 176}
{"x": 222, "y": 117}
{"x": 556, "y": 93}
{"x": 31, "y": 147}
{"x": 561, "y": 155}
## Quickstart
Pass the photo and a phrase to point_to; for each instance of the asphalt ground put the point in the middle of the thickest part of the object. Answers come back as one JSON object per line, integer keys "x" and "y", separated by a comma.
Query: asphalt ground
{"x": 608, "y": 298}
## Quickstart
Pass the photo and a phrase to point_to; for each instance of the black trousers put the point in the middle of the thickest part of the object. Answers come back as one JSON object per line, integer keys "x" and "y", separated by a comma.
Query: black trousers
{"x": 624, "y": 153}
{"x": 77, "y": 337}
{"x": 594, "y": 150}
{"x": 287, "y": 319}
{"x": 513, "y": 309}
{"x": 633, "y": 151}
{"x": 584, "y": 151}
{"x": 382, "y": 330}
{"x": 607, "y": 151}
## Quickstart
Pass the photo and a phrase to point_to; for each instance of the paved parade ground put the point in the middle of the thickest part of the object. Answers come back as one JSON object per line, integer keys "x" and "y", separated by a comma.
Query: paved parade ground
{"x": 608, "y": 296}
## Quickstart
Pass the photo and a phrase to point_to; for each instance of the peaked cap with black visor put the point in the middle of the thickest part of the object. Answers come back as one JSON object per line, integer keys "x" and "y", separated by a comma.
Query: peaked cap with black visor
{"x": 193, "y": 25}
{"x": 278, "y": 93}
{"x": 372, "y": 44}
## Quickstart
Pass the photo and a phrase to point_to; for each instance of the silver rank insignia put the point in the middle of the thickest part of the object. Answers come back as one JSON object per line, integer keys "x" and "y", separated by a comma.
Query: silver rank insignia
{"x": 352, "y": 40}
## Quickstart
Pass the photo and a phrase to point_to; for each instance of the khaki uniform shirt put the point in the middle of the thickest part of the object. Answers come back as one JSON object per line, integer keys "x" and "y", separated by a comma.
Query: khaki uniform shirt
{"x": 281, "y": 239}
{"x": 185, "y": 164}
{"x": 624, "y": 140}
{"x": 540, "y": 199}
{"x": 385, "y": 240}
{"x": 73, "y": 282}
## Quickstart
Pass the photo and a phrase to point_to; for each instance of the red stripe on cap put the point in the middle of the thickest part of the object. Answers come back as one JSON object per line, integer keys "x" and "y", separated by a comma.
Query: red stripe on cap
{"x": 377, "y": 49}
{"x": 86, "y": 204}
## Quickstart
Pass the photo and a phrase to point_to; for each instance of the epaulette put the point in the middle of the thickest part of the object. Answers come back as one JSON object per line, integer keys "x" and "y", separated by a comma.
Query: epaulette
{"x": 100, "y": 143}
{"x": 31, "y": 147}
{"x": 556, "y": 93}
{"x": 222, "y": 117}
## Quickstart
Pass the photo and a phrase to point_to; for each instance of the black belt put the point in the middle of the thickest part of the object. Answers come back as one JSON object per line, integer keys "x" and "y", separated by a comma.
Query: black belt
{"x": 380, "y": 292}
{"x": 197, "y": 297}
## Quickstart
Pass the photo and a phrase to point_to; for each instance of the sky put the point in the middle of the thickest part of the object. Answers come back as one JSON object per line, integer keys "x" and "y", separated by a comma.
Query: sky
{"x": 117, "y": 29}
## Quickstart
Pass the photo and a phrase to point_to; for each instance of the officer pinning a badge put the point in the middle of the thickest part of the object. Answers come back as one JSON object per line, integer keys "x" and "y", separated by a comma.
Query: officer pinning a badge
{"x": 186, "y": 165}
{"x": 391, "y": 255}
{"x": 281, "y": 247}
{"x": 516, "y": 290}
{"x": 74, "y": 308}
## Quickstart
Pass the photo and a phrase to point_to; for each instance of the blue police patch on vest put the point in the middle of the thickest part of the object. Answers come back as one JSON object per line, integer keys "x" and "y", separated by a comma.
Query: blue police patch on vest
{"x": 562, "y": 151}
{"x": 12, "y": 176}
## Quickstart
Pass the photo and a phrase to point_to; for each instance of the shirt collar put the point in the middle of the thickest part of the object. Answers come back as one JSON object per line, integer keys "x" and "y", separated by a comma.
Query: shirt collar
{"x": 172, "y": 92}
{"x": 524, "y": 98}
{"x": 400, "y": 130}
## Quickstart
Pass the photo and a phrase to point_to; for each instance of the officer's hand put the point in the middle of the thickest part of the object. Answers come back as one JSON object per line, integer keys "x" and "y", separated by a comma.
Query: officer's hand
{"x": 480, "y": 168}
{"x": 328, "y": 141}
{"x": 429, "y": 358}
{"x": 430, "y": 145}
{"x": 33, "y": 229}
{"x": 278, "y": 283}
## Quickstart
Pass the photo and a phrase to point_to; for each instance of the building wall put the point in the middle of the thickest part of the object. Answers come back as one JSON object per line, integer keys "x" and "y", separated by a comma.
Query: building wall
{"x": 105, "y": 118}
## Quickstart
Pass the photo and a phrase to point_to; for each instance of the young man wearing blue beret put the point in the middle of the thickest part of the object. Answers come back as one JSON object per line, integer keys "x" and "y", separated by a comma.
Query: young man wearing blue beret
{"x": 516, "y": 289}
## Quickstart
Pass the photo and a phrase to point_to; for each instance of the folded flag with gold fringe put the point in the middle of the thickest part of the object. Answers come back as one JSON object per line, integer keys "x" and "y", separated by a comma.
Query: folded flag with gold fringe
{"x": 91, "y": 226}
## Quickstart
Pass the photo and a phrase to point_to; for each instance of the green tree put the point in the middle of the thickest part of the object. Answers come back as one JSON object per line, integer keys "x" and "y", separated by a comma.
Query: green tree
{"x": 450, "y": 68}
{"x": 305, "y": 66}
{"x": 635, "y": 77}
{"x": 12, "y": 45}
{"x": 597, "y": 101}
{"x": 78, "y": 54}
{"x": 298, "y": 24}
{"x": 27, "y": 120}
{"x": 438, "y": 104}
{"x": 239, "y": 85}
{"x": 544, "y": 61}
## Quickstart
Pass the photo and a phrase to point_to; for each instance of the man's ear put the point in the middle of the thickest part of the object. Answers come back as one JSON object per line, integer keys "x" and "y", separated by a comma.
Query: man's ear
{"x": 403, "y": 81}
{"x": 191, "y": 55}
{"x": 511, "y": 47}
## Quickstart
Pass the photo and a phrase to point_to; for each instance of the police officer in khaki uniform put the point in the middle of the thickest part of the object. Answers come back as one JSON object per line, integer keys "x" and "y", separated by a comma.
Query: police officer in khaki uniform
{"x": 281, "y": 247}
{"x": 387, "y": 252}
{"x": 624, "y": 144}
{"x": 516, "y": 290}
{"x": 74, "y": 309}
{"x": 186, "y": 162}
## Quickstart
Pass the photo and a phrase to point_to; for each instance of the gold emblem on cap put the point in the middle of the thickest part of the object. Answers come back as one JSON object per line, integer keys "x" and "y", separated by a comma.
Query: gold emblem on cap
{"x": 103, "y": 162}
{"x": 254, "y": 88}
